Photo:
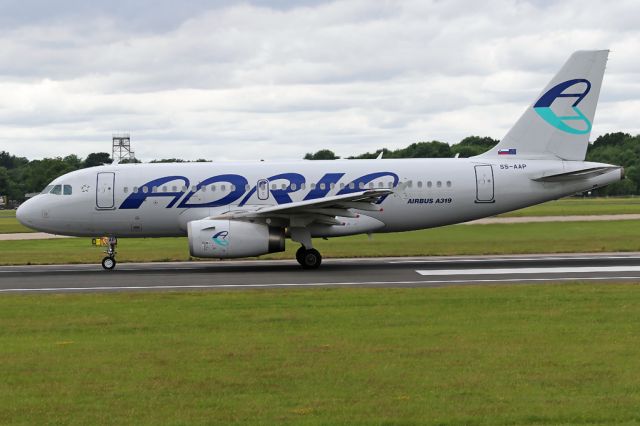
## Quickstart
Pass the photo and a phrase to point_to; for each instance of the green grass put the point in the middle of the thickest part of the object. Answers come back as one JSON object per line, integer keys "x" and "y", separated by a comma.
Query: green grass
{"x": 550, "y": 237}
{"x": 490, "y": 355}
{"x": 581, "y": 206}
{"x": 9, "y": 224}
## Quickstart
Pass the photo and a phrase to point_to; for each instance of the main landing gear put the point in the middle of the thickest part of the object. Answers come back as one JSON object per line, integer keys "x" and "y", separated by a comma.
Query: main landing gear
{"x": 306, "y": 255}
{"x": 109, "y": 262}
{"x": 309, "y": 259}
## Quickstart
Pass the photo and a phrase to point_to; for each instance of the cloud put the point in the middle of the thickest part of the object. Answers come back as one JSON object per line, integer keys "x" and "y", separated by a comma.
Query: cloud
{"x": 273, "y": 80}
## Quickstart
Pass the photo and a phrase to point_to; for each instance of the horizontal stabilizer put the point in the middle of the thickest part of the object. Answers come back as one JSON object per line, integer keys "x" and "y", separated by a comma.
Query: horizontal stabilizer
{"x": 576, "y": 174}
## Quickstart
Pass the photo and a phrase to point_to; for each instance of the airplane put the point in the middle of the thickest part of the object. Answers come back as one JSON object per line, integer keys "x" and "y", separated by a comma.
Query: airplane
{"x": 244, "y": 209}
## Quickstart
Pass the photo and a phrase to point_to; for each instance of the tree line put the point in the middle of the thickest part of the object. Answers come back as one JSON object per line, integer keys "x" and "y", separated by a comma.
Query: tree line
{"x": 20, "y": 176}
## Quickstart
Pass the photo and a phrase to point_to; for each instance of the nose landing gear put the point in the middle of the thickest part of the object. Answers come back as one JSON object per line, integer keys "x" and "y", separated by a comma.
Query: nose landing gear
{"x": 109, "y": 262}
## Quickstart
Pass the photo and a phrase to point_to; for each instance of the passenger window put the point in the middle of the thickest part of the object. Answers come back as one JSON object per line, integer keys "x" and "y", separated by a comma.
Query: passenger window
{"x": 429, "y": 184}
{"x": 213, "y": 188}
{"x": 274, "y": 186}
{"x": 380, "y": 184}
{"x": 361, "y": 185}
{"x": 232, "y": 187}
{"x": 145, "y": 189}
{"x": 332, "y": 186}
{"x": 439, "y": 184}
{"x": 313, "y": 186}
{"x": 164, "y": 188}
{"x": 126, "y": 189}
{"x": 174, "y": 188}
{"x": 448, "y": 184}
{"x": 247, "y": 187}
{"x": 294, "y": 186}
{"x": 419, "y": 184}
{"x": 57, "y": 190}
{"x": 223, "y": 187}
{"x": 352, "y": 185}
{"x": 135, "y": 189}
{"x": 68, "y": 190}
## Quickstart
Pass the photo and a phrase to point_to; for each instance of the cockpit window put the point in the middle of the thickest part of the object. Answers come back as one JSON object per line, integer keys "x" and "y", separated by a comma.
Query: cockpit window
{"x": 47, "y": 189}
{"x": 57, "y": 190}
{"x": 68, "y": 190}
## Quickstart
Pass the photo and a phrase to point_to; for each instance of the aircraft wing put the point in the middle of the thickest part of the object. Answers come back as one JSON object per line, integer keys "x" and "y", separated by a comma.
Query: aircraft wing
{"x": 320, "y": 210}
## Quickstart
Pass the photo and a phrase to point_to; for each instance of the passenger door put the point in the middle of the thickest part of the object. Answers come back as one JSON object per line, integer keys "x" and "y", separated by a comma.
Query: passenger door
{"x": 105, "y": 190}
{"x": 484, "y": 184}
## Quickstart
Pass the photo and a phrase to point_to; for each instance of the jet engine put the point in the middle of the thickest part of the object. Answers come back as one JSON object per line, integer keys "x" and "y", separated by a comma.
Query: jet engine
{"x": 233, "y": 238}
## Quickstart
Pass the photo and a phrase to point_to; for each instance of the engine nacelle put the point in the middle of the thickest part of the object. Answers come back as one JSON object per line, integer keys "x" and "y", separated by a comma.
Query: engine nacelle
{"x": 232, "y": 238}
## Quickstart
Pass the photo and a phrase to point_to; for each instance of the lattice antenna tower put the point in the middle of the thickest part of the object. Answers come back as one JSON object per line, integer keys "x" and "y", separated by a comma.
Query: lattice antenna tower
{"x": 121, "y": 148}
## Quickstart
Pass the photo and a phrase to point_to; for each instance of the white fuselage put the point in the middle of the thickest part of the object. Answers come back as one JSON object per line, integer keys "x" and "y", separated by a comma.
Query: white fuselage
{"x": 155, "y": 200}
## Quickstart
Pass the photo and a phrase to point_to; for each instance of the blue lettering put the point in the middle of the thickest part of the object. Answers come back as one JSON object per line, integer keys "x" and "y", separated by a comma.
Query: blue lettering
{"x": 361, "y": 183}
{"x": 136, "y": 199}
{"x": 324, "y": 186}
{"x": 280, "y": 195}
{"x": 237, "y": 181}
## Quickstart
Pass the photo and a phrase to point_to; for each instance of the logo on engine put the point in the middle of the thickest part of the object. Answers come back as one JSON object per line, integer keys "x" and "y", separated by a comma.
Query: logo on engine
{"x": 221, "y": 238}
{"x": 543, "y": 107}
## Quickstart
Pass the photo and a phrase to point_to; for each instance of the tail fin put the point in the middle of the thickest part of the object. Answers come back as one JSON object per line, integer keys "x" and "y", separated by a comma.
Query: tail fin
{"x": 558, "y": 123}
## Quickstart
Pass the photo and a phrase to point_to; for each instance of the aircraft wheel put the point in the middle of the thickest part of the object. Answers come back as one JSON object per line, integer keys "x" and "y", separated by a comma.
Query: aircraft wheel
{"x": 300, "y": 255}
{"x": 312, "y": 259}
{"x": 109, "y": 263}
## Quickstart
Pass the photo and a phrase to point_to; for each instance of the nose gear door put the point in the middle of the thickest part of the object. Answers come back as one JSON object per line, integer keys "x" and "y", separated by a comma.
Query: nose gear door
{"x": 105, "y": 191}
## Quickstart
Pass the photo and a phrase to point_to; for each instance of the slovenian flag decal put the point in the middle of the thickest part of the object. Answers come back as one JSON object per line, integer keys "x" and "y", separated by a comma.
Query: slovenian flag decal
{"x": 510, "y": 151}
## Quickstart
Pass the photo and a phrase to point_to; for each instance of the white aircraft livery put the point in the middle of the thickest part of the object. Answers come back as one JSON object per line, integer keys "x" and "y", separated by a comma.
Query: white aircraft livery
{"x": 231, "y": 210}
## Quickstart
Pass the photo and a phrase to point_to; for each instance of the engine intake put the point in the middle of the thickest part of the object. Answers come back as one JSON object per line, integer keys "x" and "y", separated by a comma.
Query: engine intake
{"x": 231, "y": 238}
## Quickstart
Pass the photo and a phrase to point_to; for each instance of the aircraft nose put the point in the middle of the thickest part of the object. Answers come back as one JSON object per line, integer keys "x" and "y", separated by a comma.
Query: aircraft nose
{"x": 25, "y": 213}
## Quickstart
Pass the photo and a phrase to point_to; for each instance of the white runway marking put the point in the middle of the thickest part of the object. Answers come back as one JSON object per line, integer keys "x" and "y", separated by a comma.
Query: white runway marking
{"x": 511, "y": 259}
{"x": 327, "y": 284}
{"x": 538, "y": 270}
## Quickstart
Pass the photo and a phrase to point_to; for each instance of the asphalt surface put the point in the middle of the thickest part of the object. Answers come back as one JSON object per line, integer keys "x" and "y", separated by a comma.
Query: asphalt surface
{"x": 370, "y": 272}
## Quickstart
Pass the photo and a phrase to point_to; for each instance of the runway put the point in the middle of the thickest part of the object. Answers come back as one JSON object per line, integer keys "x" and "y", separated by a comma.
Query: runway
{"x": 368, "y": 272}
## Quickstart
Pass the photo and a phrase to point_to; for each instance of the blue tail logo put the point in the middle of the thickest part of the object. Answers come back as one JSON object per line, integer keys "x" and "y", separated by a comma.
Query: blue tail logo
{"x": 543, "y": 107}
{"x": 221, "y": 238}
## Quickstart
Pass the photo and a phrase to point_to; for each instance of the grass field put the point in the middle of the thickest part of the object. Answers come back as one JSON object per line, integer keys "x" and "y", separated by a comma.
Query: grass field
{"x": 9, "y": 223}
{"x": 549, "y": 237}
{"x": 490, "y": 355}
{"x": 581, "y": 206}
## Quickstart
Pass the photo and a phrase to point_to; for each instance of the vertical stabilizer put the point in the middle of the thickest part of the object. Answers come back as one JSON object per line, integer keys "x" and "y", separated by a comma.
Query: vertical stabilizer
{"x": 558, "y": 123}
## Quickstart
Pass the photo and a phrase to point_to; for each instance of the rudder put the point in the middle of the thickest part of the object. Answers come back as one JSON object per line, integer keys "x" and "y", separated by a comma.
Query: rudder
{"x": 558, "y": 123}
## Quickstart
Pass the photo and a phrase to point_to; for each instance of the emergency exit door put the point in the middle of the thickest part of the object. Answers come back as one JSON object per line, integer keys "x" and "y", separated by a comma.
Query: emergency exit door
{"x": 105, "y": 190}
{"x": 263, "y": 189}
{"x": 484, "y": 184}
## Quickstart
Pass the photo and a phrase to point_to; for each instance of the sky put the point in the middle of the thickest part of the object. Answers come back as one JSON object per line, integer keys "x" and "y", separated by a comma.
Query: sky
{"x": 227, "y": 80}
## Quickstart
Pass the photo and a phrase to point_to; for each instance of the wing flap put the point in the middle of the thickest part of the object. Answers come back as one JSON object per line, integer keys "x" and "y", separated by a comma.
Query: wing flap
{"x": 337, "y": 205}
